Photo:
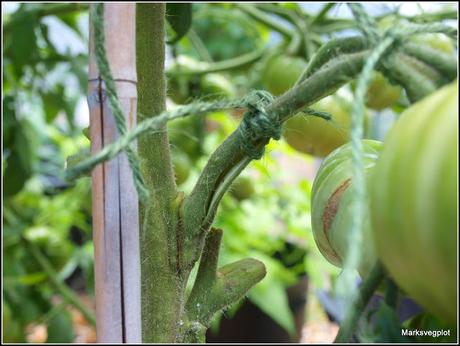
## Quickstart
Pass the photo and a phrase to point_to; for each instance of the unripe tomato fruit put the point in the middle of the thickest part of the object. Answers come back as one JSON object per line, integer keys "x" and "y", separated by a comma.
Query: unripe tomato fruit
{"x": 381, "y": 93}
{"x": 436, "y": 41}
{"x": 183, "y": 136}
{"x": 182, "y": 167}
{"x": 242, "y": 188}
{"x": 317, "y": 136}
{"x": 183, "y": 88}
{"x": 414, "y": 202}
{"x": 439, "y": 42}
{"x": 179, "y": 85}
{"x": 214, "y": 85}
{"x": 331, "y": 214}
{"x": 281, "y": 72}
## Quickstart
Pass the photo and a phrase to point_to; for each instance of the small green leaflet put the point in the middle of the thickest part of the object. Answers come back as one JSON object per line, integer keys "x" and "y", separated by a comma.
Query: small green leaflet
{"x": 179, "y": 16}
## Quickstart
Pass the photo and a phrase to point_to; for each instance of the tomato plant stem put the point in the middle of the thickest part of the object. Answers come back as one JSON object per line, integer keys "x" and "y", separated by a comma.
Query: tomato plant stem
{"x": 161, "y": 284}
{"x": 265, "y": 19}
{"x": 199, "y": 46}
{"x": 221, "y": 66}
{"x": 365, "y": 293}
{"x": 391, "y": 293}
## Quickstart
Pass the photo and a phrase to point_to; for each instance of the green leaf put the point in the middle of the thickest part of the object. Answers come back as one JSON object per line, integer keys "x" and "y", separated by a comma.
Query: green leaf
{"x": 387, "y": 327}
{"x": 60, "y": 328}
{"x": 179, "y": 16}
{"x": 29, "y": 279}
{"x": 428, "y": 322}
{"x": 15, "y": 176}
{"x": 21, "y": 40}
{"x": 271, "y": 298}
{"x": 9, "y": 119}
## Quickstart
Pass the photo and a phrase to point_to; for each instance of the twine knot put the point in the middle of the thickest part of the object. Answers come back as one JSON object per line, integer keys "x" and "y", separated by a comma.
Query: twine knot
{"x": 257, "y": 125}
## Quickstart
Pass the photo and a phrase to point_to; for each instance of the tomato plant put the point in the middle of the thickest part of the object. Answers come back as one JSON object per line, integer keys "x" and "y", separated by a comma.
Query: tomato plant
{"x": 281, "y": 72}
{"x": 242, "y": 188}
{"x": 317, "y": 136}
{"x": 440, "y": 42}
{"x": 183, "y": 88}
{"x": 331, "y": 214}
{"x": 414, "y": 203}
{"x": 436, "y": 41}
{"x": 184, "y": 135}
{"x": 381, "y": 94}
{"x": 182, "y": 167}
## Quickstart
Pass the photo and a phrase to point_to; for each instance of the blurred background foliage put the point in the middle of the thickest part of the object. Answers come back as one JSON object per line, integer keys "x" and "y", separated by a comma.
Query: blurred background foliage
{"x": 225, "y": 53}
{"x": 44, "y": 80}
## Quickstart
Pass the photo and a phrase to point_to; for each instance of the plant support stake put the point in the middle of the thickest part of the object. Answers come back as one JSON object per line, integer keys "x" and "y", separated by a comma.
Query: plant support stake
{"x": 115, "y": 201}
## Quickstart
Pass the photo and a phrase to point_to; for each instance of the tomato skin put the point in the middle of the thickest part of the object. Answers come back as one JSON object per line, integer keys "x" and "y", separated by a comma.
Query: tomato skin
{"x": 242, "y": 188}
{"x": 436, "y": 41}
{"x": 331, "y": 214}
{"x": 184, "y": 136}
{"x": 215, "y": 85}
{"x": 281, "y": 72}
{"x": 381, "y": 93}
{"x": 414, "y": 202}
{"x": 317, "y": 136}
{"x": 182, "y": 167}
{"x": 439, "y": 42}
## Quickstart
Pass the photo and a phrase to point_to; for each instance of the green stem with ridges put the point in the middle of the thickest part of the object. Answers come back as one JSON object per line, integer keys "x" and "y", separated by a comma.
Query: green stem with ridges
{"x": 332, "y": 49}
{"x": 161, "y": 286}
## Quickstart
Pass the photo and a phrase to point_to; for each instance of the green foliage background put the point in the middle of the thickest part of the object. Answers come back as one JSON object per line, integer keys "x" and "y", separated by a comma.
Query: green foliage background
{"x": 43, "y": 85}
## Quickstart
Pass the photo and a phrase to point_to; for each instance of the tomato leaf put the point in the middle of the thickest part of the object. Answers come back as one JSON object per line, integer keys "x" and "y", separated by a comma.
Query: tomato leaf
{"x": 60, "y": 328}
{"x": 179, "y": 16}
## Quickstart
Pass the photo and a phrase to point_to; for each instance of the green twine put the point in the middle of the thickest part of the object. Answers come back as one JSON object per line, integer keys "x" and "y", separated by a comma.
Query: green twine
{"x": 111, "y": 91}
{"x": 346, "y": 280}
{"x": 365, "y": 22}
{"x": 257, "y": 125}
{"x": 157, "y": 123}
{"x": 408, "y": 29}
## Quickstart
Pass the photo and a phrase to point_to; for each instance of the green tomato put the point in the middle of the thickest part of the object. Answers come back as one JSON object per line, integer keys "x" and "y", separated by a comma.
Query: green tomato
{"x": 381, "y": 93}
{"x": 414, "y": 202}
{"x": 331, "y": 214}
{"x": 182, "y": 167}
{"x": 184, "y": 135}
{"x": 181, "y": 87}
{"x": 281, "y": 72}
{"x": 214, "y": 86}
{"x": 317, "y": 136}
{"x": 242, "y": 188}
{"x": 438, "y": 42}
